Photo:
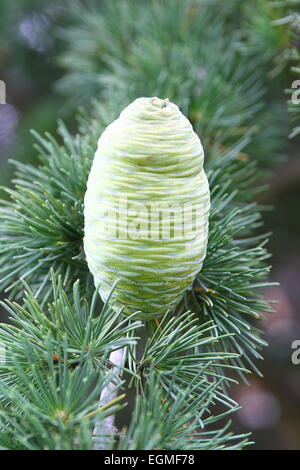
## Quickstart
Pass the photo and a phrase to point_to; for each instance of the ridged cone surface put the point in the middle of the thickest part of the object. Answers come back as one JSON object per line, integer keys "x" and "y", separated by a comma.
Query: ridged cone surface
{"x": 147, "y": 158}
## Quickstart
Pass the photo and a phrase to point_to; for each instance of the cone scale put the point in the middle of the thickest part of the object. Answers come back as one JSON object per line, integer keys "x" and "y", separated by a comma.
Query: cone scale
{"x": 146, "y": 209}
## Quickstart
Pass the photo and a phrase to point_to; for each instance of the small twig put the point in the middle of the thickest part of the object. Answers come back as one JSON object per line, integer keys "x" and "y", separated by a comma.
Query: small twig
{"x": 105, "y": 407}
{"x": 107, "y": 426}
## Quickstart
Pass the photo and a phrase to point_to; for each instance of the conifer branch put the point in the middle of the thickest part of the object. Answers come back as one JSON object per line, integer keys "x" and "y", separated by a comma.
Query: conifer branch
{"x": 57, "y": 352}
{"x": 107, "y": 426}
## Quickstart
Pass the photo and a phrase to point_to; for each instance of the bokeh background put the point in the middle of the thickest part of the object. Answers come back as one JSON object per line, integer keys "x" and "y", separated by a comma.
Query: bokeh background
{"x": 30, "y": 44}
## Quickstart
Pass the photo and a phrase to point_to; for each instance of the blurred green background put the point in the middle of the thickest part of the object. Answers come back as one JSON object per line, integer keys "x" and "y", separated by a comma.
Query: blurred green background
{"x": 31, "y": 41}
